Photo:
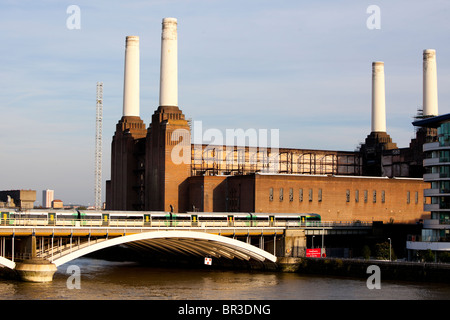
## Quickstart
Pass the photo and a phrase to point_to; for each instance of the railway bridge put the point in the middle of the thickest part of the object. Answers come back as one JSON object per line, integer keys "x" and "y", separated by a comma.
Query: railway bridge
{"x": 34, "y": 247}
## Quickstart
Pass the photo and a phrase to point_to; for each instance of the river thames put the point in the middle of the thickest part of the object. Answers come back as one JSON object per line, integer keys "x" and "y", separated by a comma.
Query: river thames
{"x": 106, "y": 280}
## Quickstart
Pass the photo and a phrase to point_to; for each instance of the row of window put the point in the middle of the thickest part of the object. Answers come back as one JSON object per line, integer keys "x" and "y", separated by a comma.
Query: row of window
{"x": 365, "y": 195}
{"x": 291, "y": 194}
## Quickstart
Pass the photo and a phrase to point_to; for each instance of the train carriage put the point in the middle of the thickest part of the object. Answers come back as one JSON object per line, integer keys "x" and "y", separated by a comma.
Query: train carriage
{"x": 7, "y": 218}
{"x": 159, "y": 219}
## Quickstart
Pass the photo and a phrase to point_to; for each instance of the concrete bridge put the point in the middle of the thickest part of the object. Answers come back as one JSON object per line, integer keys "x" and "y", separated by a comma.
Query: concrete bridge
{"x": 35, "y": 249}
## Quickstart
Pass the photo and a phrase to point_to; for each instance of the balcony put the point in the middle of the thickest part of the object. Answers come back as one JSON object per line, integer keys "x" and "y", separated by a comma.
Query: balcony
{"x": 431, "y": 207}
{"x": 431, "y": 146}
{"x": 431, "y": 162}
{"x": 431, "y": 192}
{"x": 423, "y": 245}
{"x": 427, "y": 177}
{"x": 436, "y": 193}
{"x": 436, "y": 224}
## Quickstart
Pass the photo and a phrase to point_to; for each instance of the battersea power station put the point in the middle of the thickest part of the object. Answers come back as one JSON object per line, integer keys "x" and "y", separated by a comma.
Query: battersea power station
{"x": 159, "y": 168}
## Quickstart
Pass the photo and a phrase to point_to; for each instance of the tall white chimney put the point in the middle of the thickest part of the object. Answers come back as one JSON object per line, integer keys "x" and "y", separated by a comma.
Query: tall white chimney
{"x": 131, "y": 77}
{"x": 378, "y": 98}
{"x": 168, "y": 90}
{"x": 430, "y": 94}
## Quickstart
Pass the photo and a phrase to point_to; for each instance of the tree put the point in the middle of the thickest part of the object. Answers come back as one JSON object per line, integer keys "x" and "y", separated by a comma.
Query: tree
{"x": 428, "y": 256}
{"x": 382, "y": 251}
{"x": 444, "y": 256}
{"x": 366, "y": 252}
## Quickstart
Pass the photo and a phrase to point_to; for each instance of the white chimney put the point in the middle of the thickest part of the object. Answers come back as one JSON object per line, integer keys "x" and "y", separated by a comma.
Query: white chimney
{"x": 430, "y": 94}
{"x": 378, "y": 98}
{"x": 168, "y": 90}
{"x": 131, "y": 77}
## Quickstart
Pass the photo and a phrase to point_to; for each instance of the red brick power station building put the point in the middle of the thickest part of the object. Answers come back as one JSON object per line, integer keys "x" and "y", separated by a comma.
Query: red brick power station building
{"x": 157, "y": 168}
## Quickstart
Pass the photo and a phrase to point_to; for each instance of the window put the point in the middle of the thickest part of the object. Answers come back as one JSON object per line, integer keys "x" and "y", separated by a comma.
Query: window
{"x": 417, "y": 197}
{"x": 271, "y": 194}
{"x": 300, "y": 195}
{"x": 408, "y": 197}
{"x": 310, "y": 194}
{"x": 383, "y": 196}
{"x": 281, "y": 194}
{"x": 444, "y": 134}
{"x": 356, "y": 195}
{"x": 291, "y": 194}
{"x": 374, "y": 196}
{"x": 320, "y": 195}
{"x": 444, "y": 156}
{"x": 347, "y": 195}
{"x": 365, "y": 196}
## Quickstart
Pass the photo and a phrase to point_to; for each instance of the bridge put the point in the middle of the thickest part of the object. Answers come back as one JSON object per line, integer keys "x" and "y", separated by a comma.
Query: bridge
{"x": 35, "y": 247}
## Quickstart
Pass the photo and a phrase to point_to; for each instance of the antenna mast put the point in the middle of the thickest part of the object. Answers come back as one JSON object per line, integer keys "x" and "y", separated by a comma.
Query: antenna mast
{"x": 98, "y": 148}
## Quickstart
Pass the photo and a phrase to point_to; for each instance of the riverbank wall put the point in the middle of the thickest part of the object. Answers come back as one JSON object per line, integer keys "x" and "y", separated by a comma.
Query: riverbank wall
{"x": 389, "y": 270}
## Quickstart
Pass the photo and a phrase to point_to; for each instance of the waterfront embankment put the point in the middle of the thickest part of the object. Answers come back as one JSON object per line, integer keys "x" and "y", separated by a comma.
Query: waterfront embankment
{"x": 390, "y": 270}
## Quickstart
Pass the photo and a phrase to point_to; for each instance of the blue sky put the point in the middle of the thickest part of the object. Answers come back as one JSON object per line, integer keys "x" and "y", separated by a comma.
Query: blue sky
{"x": 303, "y": 67}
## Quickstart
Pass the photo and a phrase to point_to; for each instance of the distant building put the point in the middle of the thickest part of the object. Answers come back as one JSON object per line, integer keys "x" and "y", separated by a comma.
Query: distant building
{"x": 47, "y": 198}
{"x": 57, "y": 204}
{"x": 23, "y": 199}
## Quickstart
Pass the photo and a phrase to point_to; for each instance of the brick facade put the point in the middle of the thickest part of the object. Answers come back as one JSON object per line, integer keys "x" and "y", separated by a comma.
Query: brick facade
{"x": 334, "y": 198}
{"x": 153, "y": 170}
{"x": 168, "y": 161}
{"x": 127, "y": 155}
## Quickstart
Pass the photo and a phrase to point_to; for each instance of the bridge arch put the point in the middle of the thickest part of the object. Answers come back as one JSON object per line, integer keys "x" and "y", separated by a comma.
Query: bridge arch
{"x": 198, "y": 243}
{"x": 7, "y": 263}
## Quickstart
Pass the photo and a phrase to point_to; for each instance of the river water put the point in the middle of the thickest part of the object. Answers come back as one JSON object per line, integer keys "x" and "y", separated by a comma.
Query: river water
{"x": 95, "y": 279}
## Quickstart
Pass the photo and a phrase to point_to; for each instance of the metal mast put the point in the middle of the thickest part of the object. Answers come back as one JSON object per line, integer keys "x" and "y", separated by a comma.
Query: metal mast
{"x": 98, "y": 147}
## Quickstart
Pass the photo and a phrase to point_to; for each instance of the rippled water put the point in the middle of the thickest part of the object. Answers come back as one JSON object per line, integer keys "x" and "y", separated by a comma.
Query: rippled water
{"x": 101, "y": 279}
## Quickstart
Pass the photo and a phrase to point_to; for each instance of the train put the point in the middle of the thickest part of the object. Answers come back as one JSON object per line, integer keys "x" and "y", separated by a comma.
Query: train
{"x": 157, "y": 219}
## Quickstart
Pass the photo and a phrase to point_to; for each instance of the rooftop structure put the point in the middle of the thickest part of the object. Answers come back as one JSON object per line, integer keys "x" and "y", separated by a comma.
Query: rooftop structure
{"x": 23, "y": 199}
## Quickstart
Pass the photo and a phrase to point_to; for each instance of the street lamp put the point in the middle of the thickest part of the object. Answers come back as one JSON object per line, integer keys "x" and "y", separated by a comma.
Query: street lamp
{"x": 390, "y": 245}
{"x": 313, "y": 242}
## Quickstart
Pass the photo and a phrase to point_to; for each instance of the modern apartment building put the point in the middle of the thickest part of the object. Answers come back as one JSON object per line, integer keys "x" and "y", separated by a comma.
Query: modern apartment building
{"x": 436, "y": 231}
{"x": 47, "y": 198}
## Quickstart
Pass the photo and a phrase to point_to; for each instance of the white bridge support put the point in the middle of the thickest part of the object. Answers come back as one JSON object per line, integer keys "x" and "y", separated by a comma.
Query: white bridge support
{"x": 189, "y": 242}
{"x": 7, "y": 263}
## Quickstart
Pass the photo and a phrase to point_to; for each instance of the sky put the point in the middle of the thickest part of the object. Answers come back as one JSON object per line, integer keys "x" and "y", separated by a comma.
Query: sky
{"x": 303, "y": 67}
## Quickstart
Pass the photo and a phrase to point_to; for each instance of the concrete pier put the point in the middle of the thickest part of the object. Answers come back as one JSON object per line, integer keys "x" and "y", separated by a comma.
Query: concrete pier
{"x": 36, "y": 270}
{"x": 295, "y": 243}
